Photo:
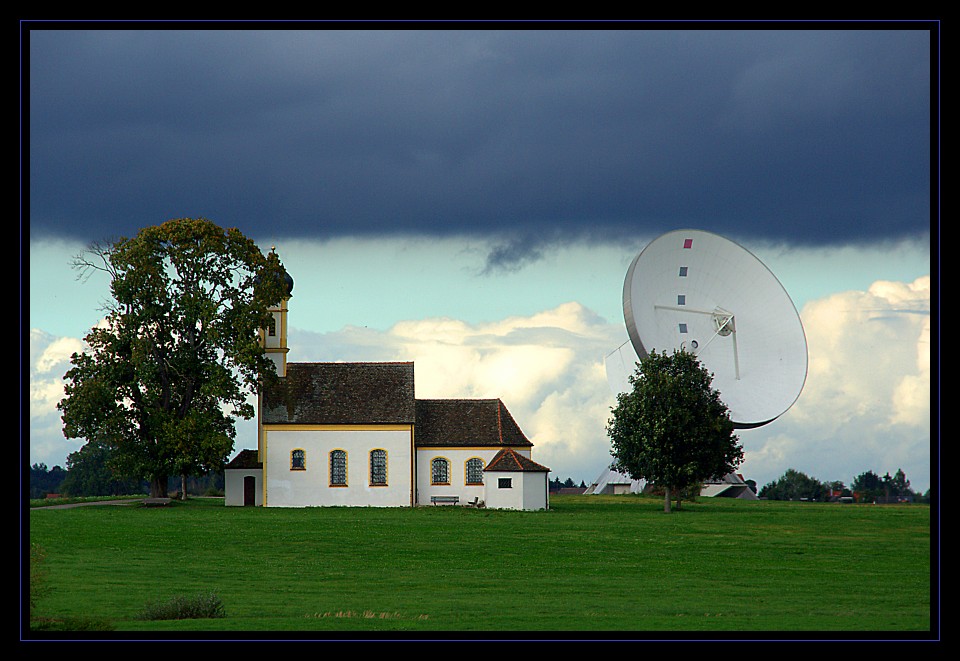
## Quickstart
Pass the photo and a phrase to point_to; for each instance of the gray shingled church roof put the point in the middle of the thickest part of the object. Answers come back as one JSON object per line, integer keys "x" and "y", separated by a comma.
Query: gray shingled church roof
{"x": 467, "y": 422}
{"x": 342, "y": 393}
{"x": 245, "y": 459}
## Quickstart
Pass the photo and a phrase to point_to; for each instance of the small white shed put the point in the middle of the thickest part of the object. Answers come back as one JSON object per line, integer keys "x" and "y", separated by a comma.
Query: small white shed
{"x": 513, "y": 481}
{"x": 243, "y": 480}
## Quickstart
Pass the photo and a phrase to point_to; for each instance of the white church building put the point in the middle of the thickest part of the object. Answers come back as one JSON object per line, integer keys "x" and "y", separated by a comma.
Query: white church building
{"x": 354, "y": 434}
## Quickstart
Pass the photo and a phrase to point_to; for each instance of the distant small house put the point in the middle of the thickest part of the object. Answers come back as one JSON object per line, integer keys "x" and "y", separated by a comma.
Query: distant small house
{"x": 570, "y": 491}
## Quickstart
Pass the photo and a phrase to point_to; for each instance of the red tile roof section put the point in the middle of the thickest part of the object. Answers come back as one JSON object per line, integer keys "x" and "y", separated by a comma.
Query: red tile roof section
{"x": 510, "y": 461}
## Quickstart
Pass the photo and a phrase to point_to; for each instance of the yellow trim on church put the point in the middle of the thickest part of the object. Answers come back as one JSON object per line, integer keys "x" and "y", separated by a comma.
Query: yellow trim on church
{"x": 305, "y": 427}
{"x": 473, "y": 448}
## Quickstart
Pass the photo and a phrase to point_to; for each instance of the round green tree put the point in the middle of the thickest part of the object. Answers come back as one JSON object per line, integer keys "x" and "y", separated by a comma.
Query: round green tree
{"x": 672, "y": 429}
{"x": 178, "y": 355}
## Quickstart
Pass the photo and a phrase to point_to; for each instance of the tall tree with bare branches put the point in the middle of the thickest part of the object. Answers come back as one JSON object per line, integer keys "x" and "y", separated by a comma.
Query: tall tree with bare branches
{"x": 173, "y": 365}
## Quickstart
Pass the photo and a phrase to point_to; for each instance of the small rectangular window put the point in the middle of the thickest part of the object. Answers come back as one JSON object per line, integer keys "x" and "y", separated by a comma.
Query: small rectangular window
{"x": 683, "y": 328}
{"x": 687, "y": 243}
{"x": 683, "y": 271}
{"x": 681, "y": 299}
{"x": 505, "y": 483}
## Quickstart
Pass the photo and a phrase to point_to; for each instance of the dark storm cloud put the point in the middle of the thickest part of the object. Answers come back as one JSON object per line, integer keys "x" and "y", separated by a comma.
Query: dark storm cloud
{"x": 792, "y": 135}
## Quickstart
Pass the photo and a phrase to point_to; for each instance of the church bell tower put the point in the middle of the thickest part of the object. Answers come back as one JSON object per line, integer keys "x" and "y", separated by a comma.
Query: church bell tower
{"x": 273, "y": 339}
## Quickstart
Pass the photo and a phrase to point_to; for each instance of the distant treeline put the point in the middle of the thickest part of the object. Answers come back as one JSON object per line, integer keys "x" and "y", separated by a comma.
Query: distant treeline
{"x": 90, "y": 476}
{"x": 868, "y": 487}
{"x": 556, "y": 484}
{"x": 89, "y": 472}
{"x": 77, "y": 483}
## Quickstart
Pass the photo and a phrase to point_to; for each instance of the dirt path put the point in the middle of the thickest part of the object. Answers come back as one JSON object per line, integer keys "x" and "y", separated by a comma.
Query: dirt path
{"x": 125, "y": 501}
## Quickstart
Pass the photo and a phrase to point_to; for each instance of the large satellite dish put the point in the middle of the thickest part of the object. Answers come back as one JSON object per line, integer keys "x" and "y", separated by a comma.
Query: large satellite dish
{"x": 697, "y": 291}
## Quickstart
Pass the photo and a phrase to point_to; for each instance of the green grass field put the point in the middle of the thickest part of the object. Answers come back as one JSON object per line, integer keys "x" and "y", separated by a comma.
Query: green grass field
{"x": 589, "y": 564}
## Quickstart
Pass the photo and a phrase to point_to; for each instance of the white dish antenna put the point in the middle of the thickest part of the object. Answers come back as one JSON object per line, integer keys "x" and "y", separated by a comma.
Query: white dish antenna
{"x": 697, "y": 291}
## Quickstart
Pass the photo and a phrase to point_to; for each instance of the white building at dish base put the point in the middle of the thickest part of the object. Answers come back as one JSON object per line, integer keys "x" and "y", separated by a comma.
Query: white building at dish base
{"x": 613, "y": 482}
{"x": 354, "y": 434}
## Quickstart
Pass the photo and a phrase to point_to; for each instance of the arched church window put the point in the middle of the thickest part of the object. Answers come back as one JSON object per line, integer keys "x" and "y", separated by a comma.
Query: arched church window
{"x": 298, "y": 460}
{"x": 474, "y": 471}
{"x": 338, "y": 468}
{"x": 378, "y": 468}
{"x": 439, "y": 471}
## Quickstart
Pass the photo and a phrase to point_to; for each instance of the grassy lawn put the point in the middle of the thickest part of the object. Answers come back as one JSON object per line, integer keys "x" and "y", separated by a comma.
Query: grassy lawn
{"x": 590, "y": 564}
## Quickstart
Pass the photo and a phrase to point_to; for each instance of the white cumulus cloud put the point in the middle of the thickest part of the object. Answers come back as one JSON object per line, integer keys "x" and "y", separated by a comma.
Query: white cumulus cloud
{"x": 866, "y": 402}
{"x": 546, "y": 367}
{"x": 49, "y": 360}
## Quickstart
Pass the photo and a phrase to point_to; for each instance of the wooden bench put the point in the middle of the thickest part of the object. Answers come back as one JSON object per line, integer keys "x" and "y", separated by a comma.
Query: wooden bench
{"x": 449, "y": 500}
{"x": 156, "y": 502}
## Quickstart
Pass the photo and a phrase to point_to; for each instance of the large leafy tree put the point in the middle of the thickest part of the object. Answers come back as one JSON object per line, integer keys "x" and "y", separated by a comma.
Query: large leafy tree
{"x": 672, "y": 429}
{"x": 171, "y": 368}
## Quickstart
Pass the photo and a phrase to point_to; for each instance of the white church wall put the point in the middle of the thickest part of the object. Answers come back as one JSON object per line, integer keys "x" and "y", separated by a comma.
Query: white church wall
{"x": 457, "y": 483}
{"x": 289, "y": 486}
{"x": 535, "y": 491}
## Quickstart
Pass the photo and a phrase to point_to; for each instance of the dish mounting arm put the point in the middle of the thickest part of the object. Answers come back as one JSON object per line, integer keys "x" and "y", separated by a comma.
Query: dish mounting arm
{"x": 725, "y": 324}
